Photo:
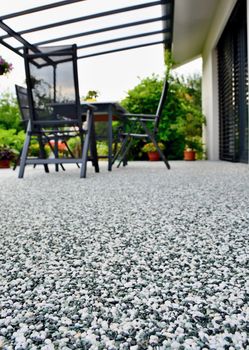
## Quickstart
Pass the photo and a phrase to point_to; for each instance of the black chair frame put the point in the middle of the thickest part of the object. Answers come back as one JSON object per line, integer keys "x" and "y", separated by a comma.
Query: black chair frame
{"x": 127, "y": 138}
{"x": 45, "y": 124}
{"x": 22, "y": 100}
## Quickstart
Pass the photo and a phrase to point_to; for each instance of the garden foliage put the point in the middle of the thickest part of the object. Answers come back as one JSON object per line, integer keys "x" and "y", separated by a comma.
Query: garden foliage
{"x": 180, "y": 127}
{"x": 12, "y": 133}
{"x": 9, "y": 113}
{"x": 182, "y": 119}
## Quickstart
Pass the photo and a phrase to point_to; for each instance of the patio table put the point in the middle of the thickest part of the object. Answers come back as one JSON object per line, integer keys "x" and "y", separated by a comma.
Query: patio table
{"x": 104, "y": 112}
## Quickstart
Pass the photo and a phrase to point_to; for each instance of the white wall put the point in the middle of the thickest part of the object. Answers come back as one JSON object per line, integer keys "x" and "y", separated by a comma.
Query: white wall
{"x": 248, "y": 60}
{"x": 210, "y": 106}
{"x": 210, "y": 79}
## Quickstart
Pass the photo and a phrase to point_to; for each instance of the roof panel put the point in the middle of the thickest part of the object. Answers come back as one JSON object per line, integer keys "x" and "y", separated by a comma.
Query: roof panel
{"x": 118, "y": 45}
{"x": 7, "y": 6}
{"x": 86, "y": 23}
{"x": 74, "y": 10}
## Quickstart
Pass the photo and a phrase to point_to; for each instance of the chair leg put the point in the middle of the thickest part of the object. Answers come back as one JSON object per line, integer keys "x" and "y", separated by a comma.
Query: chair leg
{"x": 93, "y": 147}
{"x": 56, "y": 152}
{"x": 151, "y": 136}
{"x": 42, "y": 152}
{"x": 62, "y": 167}
{"x": 163, "y": 157}
{"x": 24, "y": 153}
{"x": 52, "y": 149}
{"x": 17, "y": 161}
{"x": 121, "y": 150}
{"x": 123, "y": 156}
{"x": 70, "y": 152}
{"x": 84, "y": 156}
{"x": 85, "y": 147}
{"x": 160, "y": 152}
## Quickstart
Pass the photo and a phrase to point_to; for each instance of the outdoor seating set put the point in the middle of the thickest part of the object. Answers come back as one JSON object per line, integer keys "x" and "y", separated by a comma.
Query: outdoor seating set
{"x": 52, "y": 113}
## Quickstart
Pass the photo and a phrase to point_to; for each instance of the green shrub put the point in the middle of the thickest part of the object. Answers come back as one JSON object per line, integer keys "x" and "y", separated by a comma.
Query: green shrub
{"x": 149, "y": 147}
{"x": 7, "y": 153}
{"x": 12, "y": 139}
{"x": 102, "y": 148}
{"x": 10, "y": 117}
{"x": 75, "y": 146}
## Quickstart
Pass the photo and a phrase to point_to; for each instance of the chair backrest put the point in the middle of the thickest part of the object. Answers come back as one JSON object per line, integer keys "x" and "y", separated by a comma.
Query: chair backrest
{"x": 23, "y": 103}
{"x": 161, "y": 104}
{"x": 52, "y": 79}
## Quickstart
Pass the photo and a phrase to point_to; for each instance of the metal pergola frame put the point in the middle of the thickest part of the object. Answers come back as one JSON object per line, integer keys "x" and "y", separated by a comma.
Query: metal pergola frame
{"x": 166, "y": 19}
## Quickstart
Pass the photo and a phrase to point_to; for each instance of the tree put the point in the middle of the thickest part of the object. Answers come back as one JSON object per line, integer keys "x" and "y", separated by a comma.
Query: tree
{"x": 144, "y": 97}
{"x": 91, "y": 95}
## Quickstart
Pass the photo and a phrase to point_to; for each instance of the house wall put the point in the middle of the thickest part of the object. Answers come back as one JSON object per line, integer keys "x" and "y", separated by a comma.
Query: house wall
{"x": 210, "y": 106}
{"x": 210, "y": 77}
{"x": 247, "y": 3}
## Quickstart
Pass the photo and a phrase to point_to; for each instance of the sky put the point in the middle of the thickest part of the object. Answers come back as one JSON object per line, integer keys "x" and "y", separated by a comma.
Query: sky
{"x": 112, "y": 75}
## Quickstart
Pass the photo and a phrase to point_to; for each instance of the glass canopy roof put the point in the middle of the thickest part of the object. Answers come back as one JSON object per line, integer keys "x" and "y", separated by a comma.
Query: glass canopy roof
{"x": 94, "y": 25}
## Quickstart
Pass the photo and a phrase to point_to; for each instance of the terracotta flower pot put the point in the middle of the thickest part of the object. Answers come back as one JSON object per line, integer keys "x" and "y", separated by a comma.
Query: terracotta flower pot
{"x": 4, "y": 163}
{"x": 61, "y": 146}
{"x": 153, "y": 156}
{"x": 189, "y": 155}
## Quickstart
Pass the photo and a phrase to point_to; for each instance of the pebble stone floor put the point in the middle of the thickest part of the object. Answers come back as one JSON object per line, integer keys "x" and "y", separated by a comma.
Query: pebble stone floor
{"x": 139, "y": 258}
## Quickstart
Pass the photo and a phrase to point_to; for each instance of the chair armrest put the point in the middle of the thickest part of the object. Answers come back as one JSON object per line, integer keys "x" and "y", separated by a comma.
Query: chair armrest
{"x": 135, "y": 119}
{"x": 137, "y": 116}
{"x": 92, "y": 107}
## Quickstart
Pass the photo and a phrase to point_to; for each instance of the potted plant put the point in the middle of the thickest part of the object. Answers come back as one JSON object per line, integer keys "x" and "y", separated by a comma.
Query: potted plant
{"x": 151, "y": 150}
{"x": 5, "y": 67}
{"x": 193, "y": 147}
{"x": 60, "y": 144}
{"x": 6, "y": 156}
{"x": 189, "y": 154}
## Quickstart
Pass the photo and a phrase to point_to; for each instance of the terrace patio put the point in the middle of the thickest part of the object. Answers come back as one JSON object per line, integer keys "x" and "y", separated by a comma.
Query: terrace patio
{"x": 139, "y": 258}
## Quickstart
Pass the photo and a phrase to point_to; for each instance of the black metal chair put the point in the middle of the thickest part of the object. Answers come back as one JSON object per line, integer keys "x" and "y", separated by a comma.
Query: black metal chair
{"x": 23, "y": 103}
{"x": 146, "y": 121}
{"x": 52, "y": 81}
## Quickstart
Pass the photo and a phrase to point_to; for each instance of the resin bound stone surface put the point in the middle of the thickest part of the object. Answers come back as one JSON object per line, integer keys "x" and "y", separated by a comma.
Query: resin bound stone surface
{"x": 139, "y": 258}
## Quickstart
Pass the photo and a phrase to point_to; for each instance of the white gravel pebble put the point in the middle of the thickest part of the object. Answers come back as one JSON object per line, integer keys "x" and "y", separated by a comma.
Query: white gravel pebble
{"x": 140, "y": 258}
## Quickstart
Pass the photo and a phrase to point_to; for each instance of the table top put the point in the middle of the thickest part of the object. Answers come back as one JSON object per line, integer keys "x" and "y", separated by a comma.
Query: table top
{"x": 101, "y": 111}
{"x": 104, "y": 106}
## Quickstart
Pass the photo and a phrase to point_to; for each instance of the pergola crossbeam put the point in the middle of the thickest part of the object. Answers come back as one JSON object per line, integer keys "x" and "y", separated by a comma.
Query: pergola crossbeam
{"x": 11, "y": 48}
{"x": 16, "y": 36}
{"x": 19, "y": 38}
{"x": 164, "y": 31}
{"x": 39, "y": 8}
